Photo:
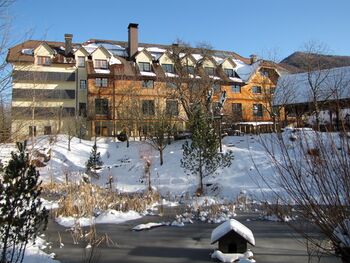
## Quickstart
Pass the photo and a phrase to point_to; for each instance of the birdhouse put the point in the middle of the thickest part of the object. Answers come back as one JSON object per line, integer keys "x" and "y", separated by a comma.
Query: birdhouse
{"x": 233, "y": 237}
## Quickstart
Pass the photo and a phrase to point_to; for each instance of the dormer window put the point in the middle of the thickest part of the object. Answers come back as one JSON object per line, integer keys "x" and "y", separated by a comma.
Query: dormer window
{"x": 100, "y": 64}
{"x": 168, "y": 68}
{"x": 264, "y": 73}
{"x": 81, "y": 62}
{"x": 209, "y": 71}
{"x": 229, "y": 72}
{"x": 43, "y": 60}
{"x": 190, "y": 69}
{"x": 144, "y": 66}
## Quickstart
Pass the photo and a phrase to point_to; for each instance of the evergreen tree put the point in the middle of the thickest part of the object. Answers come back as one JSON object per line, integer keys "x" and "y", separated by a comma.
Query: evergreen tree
{"x": 201, "y": 157}
{"x": 21, "y": 213}
{"x": 94, "y": 159}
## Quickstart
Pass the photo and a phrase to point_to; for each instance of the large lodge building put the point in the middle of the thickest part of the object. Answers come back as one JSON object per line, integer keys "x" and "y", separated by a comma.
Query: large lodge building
{"x": 111, "y": 86}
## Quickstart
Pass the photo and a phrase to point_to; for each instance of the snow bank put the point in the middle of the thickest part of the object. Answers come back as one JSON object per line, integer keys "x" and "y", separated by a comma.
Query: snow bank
{"x": 34, "y": 253}
{"x": 107, "y": 217}
{"x": 232, "y": 225}
{"x": 233, "y": 257}
{"x": 147, "y": 226}
{"x": 116, "y": 217}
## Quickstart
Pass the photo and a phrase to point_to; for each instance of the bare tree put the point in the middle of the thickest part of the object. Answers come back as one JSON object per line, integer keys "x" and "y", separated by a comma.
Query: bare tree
{"x": 313, "y": 177}
{"x": 159, "y": 130}
{"x": 191, "y": 84}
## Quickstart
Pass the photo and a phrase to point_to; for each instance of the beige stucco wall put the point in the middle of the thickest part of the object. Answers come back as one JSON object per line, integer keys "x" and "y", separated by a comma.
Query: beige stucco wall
{"x": 186, "y": 61}
{"x": 60, "y": 85}
{"x": 142, "y": 57}
{"x": 43, "y": 50}
{"x": 164, "y": 59}
{"x": 51, "y": 68}
{"x": 227, "y": 65}
{"x": 208, "y": 63}
{"x": 99, "y": 54}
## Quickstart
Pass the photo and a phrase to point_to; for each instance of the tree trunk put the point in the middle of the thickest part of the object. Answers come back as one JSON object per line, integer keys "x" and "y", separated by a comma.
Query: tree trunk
{"x": 69, "y": 139}
{"x": 161, "y": 156}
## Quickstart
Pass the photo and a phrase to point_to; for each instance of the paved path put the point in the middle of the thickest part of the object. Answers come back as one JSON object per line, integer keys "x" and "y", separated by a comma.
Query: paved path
{"x": 275, "y": 243}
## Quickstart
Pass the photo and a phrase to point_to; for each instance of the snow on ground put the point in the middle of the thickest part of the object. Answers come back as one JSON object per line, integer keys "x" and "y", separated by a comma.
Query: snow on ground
{"x": 34, "y": 252}
{"x": 233, "y": 257}
{"x": 107, "y": 217}
{"x": 148, "y": 226}
{"x": 126, "y": 166}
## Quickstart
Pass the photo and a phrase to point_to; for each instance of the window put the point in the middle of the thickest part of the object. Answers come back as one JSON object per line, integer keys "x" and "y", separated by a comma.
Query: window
{"x": 145, "y": 66}
{"x": 104, "y": 82}
{"x": 257, "y": 110}
{"x": 148, "y": 84}
{"x": 236, "y": 89}
{"x": 229, "y": 72}
{"x": 256, "y": 90}
{"x": 47, "y": 130}
{"x": 168, "y": 68}
{"x": 43, "y": 60}
{"x": 190, "y": 69}
{"x": 101, "y": 82}
{"x": 237, "y": 110}
{"x": 100, "y": 63}
{"x": 264, "y": 73}
{"x": 216, "y": 87}
{"x": 272, "y": 90}
{"x": 148, "y": 107}
{"x": 68, "y": 112}
{"x": 172, "y": 108}
{"x": 101, "y": 106}
{"x": 81, "y": 62}
{"x": 171, "y": 85}
{"x": 32, "y": 130}
{"x": 82, "y": 109}
{"x": 209, "y": 71}
{"x": 82, "y": 84}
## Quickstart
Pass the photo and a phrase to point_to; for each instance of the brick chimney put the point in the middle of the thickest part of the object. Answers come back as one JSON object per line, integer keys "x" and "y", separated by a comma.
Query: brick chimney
{"x": 68, "y": 44}
{"x": 253, "y": 58}
{"x": 133, "y": 42}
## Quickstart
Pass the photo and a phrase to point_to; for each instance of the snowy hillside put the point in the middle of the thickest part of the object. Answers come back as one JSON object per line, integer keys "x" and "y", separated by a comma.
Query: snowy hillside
{"x": 126, "y": 165}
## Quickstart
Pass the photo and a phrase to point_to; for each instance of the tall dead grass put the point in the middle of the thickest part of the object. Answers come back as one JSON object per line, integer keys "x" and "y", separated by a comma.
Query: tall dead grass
{"x": 84, "y": 200}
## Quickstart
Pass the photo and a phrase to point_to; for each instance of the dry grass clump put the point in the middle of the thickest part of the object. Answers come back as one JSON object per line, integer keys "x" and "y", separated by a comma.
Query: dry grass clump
{"x": 84, "y": 200}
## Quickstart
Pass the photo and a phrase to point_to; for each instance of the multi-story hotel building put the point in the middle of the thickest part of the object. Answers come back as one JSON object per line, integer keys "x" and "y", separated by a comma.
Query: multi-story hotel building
{"x": 116, "y": 85}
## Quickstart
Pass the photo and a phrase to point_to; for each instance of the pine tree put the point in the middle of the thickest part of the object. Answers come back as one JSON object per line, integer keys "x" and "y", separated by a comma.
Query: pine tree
{"x": 201, "y": 157}
{"x": 94, "y": 159}
{"x": 21, "y": 212}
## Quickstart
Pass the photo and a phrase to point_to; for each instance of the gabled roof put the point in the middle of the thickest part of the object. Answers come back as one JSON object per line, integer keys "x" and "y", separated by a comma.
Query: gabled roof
{"x": 46, "y": 46}
{"x": 15, "y": 53}
{"x": 104, "y": 50}
{"x": 235, "y": 226}
{"x": 230, "y": 60}
{"x": 146, "y": 52}
{"x": 82, "y": 49}
{"x": 166, "y": 53}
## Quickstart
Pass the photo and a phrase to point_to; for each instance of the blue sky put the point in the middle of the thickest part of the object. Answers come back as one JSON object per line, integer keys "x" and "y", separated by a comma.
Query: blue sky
{"x": 263, "y": 27}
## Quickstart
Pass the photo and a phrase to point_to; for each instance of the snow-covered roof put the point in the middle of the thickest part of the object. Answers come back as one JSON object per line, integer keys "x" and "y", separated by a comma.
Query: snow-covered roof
{"x": 28, "y": 51}
{"x": 102, "y": 71}
{"x": 146, "y": 73}
{"x": 245, "y": 71}
{"x": 327, "y": 84}
{"x": 232, "y": 225}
